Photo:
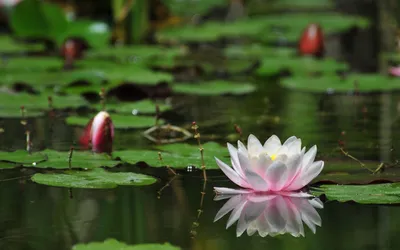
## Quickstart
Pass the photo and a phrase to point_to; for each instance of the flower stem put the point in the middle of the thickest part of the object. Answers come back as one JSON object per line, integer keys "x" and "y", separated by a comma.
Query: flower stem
{"x": 197, "y": 136}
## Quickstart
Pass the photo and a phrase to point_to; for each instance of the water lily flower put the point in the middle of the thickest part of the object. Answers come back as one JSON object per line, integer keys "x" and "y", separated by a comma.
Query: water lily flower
{"x": 272, "y": 167}
{"x": 394, "y": 71}
{"x": 312, "y": 41}
{"x": 99, "y": 133}
{"x": 270, "y": 214}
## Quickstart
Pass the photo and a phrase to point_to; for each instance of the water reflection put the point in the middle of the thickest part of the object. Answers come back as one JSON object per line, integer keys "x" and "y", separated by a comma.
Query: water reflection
{"x": 270, "y": 214}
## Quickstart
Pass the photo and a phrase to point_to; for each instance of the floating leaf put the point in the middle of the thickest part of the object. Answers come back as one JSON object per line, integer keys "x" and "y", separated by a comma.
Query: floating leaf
{"x": 258, "y": 51}
{"x": 269, "y": 28}
{"x": 38, "y": 19}
{"x": 119, "y": 121}
{"x": 57, "y": 160}
{"x": 304, "y": 66}
{"x": 190, "y": 8}
{"x": 114, "y": 244}
{"x": 367, "y": 194}
{"x": 95, "y": 178}
{"x": 136, "y": 108}
{"x": 217, "y": 87}
{"x": 178, "y": 155}
{"x": 350, "y": 83}
{"x": 8, "y": 45}
{"x": 20, "y": 65}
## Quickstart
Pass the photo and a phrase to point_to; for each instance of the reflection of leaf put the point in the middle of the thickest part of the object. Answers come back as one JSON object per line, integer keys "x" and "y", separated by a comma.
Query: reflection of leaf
{"x": 217, "y": 87}
{"x": 303, "y": 66}
{"x": 112, "y": 244}
{"x": 178, "y": 155}
{"x": 96, "y": 178}
{"x": 57, "y": 160}
{"x": 119, "y": 121}
{"x": 34, "y": 18}
{"x": 367, "y": 194}
{"x": 353, "y": 82}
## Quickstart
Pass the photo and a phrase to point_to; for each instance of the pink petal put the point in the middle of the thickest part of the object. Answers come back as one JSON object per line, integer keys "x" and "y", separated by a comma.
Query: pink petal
{"x": 231, "y": 174}
{"x": 252, "y": 178}
{"x": 306, "y": 175}
{"x": 277, "y": 175}
{"x": 222, "y": 190}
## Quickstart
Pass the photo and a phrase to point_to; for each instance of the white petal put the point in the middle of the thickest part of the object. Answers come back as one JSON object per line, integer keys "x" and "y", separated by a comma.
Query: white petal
{"x": 242, "y": 148}
{"x": 223, "y": 190}
{"x": 294, "y": 147}
{"x": 231, "y": 174}
{"x": 272, "y": 145}
{"x": 276, "y": 175}
{"x": 309, "y": 156}
{"x": 290, "y": 140}
{"x": 232, "y": 203}
{"x": 235, "y": 160}
{"x": 254, "y": 146}
{"x": 252, "y": 178}
{"x": 293, "y": 165}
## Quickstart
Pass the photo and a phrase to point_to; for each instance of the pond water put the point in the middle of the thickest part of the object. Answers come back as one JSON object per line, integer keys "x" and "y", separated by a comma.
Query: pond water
{"x": 39, "y": 217}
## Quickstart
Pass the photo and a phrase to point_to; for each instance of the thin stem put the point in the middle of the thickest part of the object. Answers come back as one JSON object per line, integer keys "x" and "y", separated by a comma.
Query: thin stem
{"x": 165, "y": 186}
{"x": 197, "y": 136}
{"x": 71, "y": 151}
{"x": 357, "y": 160}
{"x": 162, "y": 163}
{"x": 196, "y": 223}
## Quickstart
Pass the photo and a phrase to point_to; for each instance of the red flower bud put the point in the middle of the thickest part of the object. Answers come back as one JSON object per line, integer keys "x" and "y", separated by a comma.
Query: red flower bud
{"x": 312, "y": 41}
{"x": 99, "y": 132}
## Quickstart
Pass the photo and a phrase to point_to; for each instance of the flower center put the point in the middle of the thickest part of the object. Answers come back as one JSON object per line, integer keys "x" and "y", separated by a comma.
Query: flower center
{"x": 273, "y": 157}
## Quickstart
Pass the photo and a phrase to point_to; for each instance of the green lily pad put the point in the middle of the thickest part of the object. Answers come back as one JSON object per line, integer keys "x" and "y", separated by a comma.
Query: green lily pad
{"x": 57, "y": 160}
{"x": 16, "y": 113}
{"x": 217, "y": 87}
{"x": 114, "y": 244}
{"x": 136, "y": 108}
{"x": 38, "y": 19}
{"x": 8, "y": 45}
{"x": 119, "y": 121}
{"x": 190, "y": 8}
{"x": 178, "y": 155}
{"x": 366, "y": 194}
{"x": 262, "y": 28}
{"x": 304, "y": 66}
{"x": 336, "y": 84}
{"x": 11, "y": 103}
{"x": 20, "y": 65}
{"x": 305, "y": 4}
{"x": 96, "y": 34}
{"x": 95, "y": 178}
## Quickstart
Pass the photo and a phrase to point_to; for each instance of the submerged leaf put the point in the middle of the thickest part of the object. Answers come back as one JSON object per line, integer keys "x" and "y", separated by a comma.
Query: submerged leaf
{"x": 217, "y": 87}
{"x": 367, "y": 194}
{"x": 96, "y": 178}
{"x": 114, "y": 244}
{"x": 119, "y": 121}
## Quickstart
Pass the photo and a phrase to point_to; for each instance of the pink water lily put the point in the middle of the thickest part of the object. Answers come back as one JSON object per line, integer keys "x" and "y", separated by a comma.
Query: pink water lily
{"x": 99, "y": 134}
{"x": 272, "y": 167}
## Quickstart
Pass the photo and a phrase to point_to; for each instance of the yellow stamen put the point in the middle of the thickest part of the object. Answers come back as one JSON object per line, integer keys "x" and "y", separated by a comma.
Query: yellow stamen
{"x": 273, "y": 157}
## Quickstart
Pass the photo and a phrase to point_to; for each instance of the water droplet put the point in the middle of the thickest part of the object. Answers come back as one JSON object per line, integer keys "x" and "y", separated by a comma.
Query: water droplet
{"x": 135, "y": 112}
{"x": 34, "y": 164}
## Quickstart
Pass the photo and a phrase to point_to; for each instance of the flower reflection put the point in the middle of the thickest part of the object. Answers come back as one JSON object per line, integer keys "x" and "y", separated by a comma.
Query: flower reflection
{"x": 270, "y": 214}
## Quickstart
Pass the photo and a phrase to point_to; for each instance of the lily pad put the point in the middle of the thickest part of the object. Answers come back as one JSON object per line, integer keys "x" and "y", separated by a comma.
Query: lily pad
{"x": 114, "y": 244}
{"x": 135, "y": 108}
{"x": 8, "y": 45}
{"x": 217, "y": 87}
{"x": 11, "y": 103}
{"x": 57, "y": 160}
{"x": 304, "y": 66}
{"x": 96, "y": 178}
{"x": 31, "y": 64}
{"x": 262, "y": 28}
{"x": 119, "y": 121}
{"x": 336, "y": 84}
{"x": 178, "y": 155}
{"x": 388, "y": 193}
{"x": 190, "y": 8}
{"x": 255, "y": 50}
